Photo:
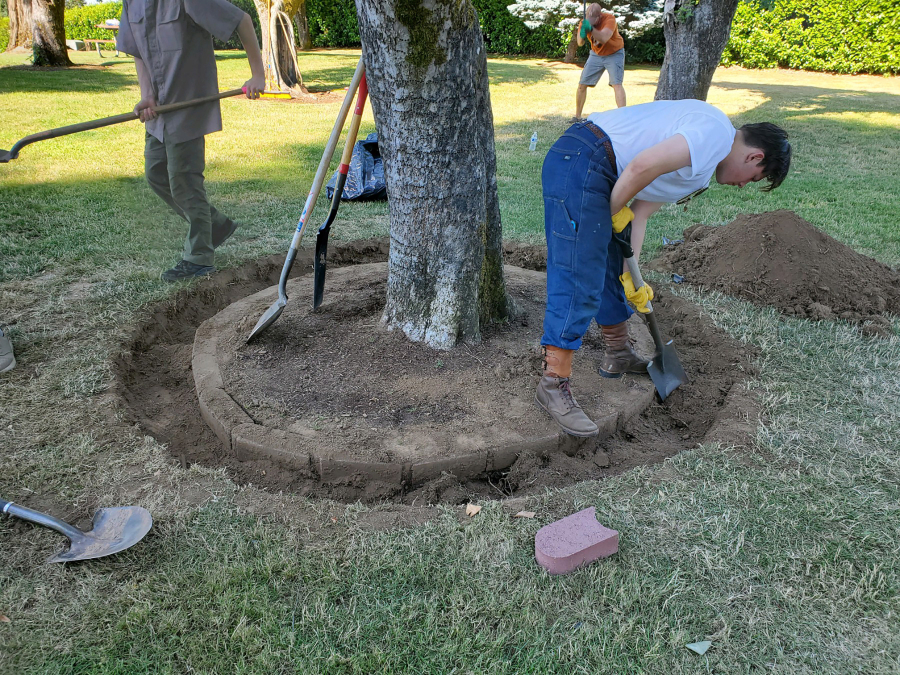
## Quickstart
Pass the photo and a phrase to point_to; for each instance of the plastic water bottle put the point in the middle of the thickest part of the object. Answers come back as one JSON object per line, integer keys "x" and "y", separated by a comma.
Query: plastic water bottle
{"x": 533, "y": 142}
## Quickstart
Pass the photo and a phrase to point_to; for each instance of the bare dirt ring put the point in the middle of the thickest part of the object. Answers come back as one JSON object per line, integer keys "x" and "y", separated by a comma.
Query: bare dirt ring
{"x": 331, "y": 404}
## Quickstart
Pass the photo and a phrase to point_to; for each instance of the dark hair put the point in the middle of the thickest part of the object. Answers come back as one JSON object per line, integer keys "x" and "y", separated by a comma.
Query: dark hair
{"x": 773, "y": 141}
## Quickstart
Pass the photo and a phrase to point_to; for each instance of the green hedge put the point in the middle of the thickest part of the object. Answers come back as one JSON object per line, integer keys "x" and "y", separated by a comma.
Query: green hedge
{"x": 4, "y": 33}
{"x": 332, "y": 23}
{"x": 841, "y": 36}
{"x": 81, "y": 23}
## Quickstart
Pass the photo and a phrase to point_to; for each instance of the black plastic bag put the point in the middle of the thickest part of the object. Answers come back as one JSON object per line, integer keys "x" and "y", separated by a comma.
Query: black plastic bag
{"x": 365, "y": 179}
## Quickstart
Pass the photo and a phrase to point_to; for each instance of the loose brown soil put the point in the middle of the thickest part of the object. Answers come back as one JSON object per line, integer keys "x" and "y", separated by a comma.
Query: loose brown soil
{"x": 157, "y": 388}
{"x": 779, "y": 259}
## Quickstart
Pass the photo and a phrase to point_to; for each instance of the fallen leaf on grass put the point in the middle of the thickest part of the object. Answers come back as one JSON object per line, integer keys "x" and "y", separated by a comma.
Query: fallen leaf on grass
{"x": 525, "y": 514}
{"x": 4, "y": 618}
{"x": 472, "y": 509}
{"x": 699, "y": 647}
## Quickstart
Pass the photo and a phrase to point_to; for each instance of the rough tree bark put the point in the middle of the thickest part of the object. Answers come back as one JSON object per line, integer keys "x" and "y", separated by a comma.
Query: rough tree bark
{"x": 571, "y": 47}
{"x": 278, "y": 52}
{"x": 427, "y": 74}
{"x": 19, "y": 24}
{"x": 304, "y": 41}
{"x": 49, "y": 33}
{"x": 696, "y": 34}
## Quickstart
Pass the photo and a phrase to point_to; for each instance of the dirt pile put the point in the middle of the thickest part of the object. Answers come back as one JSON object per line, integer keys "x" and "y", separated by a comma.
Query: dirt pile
{"x": 779, "y": 259}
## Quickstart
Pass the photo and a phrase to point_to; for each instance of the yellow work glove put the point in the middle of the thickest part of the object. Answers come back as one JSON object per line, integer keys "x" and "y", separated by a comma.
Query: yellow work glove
{"x": 637, "y": 297}
{"x": 621, "y": 219}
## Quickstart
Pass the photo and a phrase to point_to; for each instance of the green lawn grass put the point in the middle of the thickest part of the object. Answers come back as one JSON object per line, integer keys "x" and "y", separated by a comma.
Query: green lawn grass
{"x": 786, "y": 556}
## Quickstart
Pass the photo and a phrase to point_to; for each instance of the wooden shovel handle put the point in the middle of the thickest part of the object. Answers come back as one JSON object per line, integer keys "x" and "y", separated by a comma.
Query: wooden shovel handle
{"x": 115, "y": 119}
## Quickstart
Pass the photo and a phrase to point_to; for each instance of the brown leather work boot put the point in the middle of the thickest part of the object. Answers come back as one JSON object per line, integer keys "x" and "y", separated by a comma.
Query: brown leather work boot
{"x": 620, "y": 357}
{"x": 555, "y": 395}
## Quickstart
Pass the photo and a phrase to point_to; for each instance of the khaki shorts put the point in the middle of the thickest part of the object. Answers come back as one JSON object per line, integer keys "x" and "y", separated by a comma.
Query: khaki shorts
{"x": 596, "y": 65}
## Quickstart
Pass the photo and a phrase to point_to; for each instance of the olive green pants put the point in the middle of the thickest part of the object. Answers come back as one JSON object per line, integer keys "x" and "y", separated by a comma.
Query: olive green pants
{"x": 175, "y": 172}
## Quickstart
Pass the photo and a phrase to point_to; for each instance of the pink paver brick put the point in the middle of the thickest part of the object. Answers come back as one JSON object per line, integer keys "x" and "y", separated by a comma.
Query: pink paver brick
{"x": 574, "y": 541}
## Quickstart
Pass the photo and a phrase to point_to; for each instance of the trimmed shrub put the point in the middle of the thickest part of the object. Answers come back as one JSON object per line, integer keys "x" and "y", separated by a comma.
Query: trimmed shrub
{"x": 81, "y": 22}
{"x": 332, "y": 23}
{"x": 840, "y": 36}
{"x": 4, "y": 33}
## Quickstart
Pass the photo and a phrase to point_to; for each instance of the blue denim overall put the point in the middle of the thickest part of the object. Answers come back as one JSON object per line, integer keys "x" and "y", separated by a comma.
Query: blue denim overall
{"x": 583, "y": 260}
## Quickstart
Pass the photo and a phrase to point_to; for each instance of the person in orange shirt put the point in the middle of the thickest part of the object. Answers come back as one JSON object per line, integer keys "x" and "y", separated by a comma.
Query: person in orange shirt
{"x": 607, "y": 53}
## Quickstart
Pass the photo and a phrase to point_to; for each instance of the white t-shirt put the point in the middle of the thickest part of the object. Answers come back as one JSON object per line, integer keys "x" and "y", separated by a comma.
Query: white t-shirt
{"x": 708, "y": 132}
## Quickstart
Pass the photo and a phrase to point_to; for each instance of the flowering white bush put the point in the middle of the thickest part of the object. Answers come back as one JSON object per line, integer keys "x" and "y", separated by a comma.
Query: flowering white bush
{"x": 633, "y": 16}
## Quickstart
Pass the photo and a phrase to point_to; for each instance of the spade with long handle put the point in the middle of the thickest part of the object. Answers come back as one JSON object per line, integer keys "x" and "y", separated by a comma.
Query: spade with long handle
{"x": 274, "y": 311}
{"x": 665, "y": 369}
{"x": 320, "y": 263}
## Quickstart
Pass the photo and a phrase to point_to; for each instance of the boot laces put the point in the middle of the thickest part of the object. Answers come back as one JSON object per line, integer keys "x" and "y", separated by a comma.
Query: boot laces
{"x": 565, "y": 391}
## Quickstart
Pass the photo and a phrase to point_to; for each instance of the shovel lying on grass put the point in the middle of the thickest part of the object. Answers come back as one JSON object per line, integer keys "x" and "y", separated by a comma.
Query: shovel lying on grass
{"x": 115, "y": 529}
{"x": 7, "y": 155}
{"x": 320, "y": 263}
{"x": 665, "y": 369}
{"x": 276, "y": 308}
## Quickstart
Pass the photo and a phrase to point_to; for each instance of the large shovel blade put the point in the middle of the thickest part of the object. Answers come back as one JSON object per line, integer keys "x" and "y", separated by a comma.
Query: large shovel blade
{"x": 666, "y": 371}
{"x": 269, "y": 317}
{"x": 115, "y": 529}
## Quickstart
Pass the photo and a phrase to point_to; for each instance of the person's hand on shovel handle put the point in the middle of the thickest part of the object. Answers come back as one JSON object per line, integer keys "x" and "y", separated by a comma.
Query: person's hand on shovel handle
{"x": 146, "y": 109}
{"x": 255, "y": 86}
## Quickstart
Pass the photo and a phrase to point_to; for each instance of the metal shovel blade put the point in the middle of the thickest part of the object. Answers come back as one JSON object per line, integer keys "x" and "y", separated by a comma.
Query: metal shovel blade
{"x": 115, "y": 529}
{"x": 6, "y": 156}
{"x": 666, "y": 371}
{"x": 269, "y": 317}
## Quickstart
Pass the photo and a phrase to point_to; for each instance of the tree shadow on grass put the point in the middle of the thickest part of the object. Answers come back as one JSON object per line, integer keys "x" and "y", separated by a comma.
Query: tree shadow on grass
{"x": 80, "y": 78}
{"x": 803, "y": 100}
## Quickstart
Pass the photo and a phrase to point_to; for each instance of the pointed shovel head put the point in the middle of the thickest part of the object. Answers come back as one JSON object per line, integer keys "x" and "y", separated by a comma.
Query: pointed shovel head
{"x": 666, "y": 371}
{"x": 114, "y": 530}
{"x": 6, "y": 156}
{"x": 269, "y": 317}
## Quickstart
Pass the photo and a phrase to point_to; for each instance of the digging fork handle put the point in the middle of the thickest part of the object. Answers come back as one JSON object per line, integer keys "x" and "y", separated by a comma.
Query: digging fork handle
{"x": 39, "y": 519}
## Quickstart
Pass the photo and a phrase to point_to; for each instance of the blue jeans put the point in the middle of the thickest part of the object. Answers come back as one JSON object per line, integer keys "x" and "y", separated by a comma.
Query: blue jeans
{"x": 583, "y": 260}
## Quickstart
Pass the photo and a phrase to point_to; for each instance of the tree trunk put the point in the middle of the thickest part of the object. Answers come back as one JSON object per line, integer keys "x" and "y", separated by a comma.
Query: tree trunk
{"x": 19, "y": 24}
{"x": 696, "y": 34}
{"x": 278, "y": 51}
{"x": 304, "y": 41}
{"x": 427, "y": 74}
{"x": 571, "y": 47}
{"x": 49, "y": 33}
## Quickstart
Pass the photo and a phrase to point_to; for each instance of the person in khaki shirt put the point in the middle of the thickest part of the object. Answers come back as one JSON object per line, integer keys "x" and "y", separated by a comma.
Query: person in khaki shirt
{"x": 171, "y": 41}
{"x": 607, "y": 54}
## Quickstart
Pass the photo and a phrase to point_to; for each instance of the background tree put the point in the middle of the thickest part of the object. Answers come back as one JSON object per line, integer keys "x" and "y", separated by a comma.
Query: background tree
{"x": 278, "y": 51}
{"x": 428, "y": 81}
{"x": 304, "y": 40}
{"x": 19, "y": 24}
{"x": 49, "y": 33}
{"x": 632, "y": 16}
{"x": 696, "y": 34}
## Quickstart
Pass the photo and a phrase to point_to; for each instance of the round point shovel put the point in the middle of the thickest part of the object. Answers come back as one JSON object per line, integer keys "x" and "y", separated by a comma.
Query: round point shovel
{"x": 276, "y": 308}
{"x": 7, "y": 155}
{"x": 114, "y": 530}
{"x": 665, "y": 369}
